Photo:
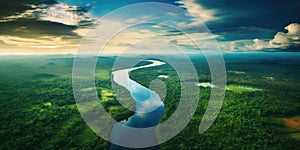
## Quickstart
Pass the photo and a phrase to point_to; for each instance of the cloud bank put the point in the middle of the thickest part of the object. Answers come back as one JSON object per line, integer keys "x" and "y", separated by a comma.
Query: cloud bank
{"x": 289, "y": 41}
{"x": 43, "y": 25}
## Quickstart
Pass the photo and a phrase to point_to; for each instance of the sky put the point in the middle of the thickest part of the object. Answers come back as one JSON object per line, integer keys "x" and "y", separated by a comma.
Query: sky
{"x": 57, "y": 27}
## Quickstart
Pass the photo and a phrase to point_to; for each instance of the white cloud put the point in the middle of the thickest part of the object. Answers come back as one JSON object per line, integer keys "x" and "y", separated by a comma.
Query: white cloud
{"x": 280, "y": 41}
{"x": 245, "y": 45}
{"x": 293, "y": 29}
{"x": 48, "y": 42}
{"x": 65, "y": 14}
{"x": 132, "y": 20}
{"x": 139, "y": 19}
{"x": 81, "y": 31}
{"x": 156, "y": 26}
{"x": 60, "y": 13}
{"x": 198, "y": 12}
{"x": 289, "y": 39}
{"x": 238, "y": 45}
{"x": 260, "y": 44}
{"x": 232, "y": 46}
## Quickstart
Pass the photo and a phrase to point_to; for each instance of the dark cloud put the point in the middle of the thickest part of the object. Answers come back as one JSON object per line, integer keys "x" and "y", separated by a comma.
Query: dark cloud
{"x": 173, "y": 33}
{"x": 31, "y": 18}
{"x": 14, "y": 7}
{"x": 29, "y": 28}
{"x": 243, "y": 33}
{"x": 272, "y": 14}
{"x": 256, "y": 20}
{"x": 30, "y": 25}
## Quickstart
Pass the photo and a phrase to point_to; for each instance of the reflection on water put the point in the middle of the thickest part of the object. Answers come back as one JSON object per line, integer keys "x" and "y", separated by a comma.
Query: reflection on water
{"x": 149, "y": 110}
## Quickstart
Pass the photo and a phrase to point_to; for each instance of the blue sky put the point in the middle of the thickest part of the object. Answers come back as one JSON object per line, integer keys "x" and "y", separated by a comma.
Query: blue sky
{"x": 49, "y": 26}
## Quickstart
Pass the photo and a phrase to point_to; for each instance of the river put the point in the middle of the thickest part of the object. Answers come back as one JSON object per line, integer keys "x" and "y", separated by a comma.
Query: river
{"x": 149, "y": 110}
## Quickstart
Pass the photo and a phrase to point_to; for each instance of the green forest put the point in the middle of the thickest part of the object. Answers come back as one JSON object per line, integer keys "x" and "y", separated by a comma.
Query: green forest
{"x": 261, "y": 109}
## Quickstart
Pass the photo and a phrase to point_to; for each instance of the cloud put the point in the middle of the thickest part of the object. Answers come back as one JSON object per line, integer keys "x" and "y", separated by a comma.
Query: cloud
{"x": 137, "y": 39}
{"x": 15, "y": 7}
{"x": 81, "y": 31}
{"x": 291, "y": 39}
{"x": 259, "y": 44}
{"x": 68, "y": 15}
{"x": 243, "y": 33}
{"x": 45, "y": 18}
{"x": 31, "y": 28}
{"x": 59, "y": 13}
{"x": 198, "y": 13}
{"x": 48, "y": 42}
{"x": 237, "y": 45}
{"x": 44, "y": 25}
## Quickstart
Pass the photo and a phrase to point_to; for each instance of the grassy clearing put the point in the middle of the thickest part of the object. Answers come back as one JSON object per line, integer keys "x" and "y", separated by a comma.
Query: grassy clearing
{"x": 241, "y": 89}
{"x": 106, "y": 95}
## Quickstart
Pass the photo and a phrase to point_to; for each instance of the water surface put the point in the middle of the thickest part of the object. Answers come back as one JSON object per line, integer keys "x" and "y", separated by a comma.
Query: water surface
{"x": 149, "y": 110}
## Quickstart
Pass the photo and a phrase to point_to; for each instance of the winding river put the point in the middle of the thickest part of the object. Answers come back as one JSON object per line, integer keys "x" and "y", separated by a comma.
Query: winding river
{"x": 149, "y": 110}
